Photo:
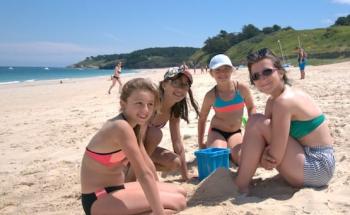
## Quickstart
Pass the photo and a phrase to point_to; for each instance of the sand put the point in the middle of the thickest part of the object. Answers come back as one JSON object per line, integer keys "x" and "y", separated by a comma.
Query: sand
{"x": 45, "y": 127}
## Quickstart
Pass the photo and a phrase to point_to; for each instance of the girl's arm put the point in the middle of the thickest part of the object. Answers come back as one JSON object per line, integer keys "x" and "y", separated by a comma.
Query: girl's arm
{"x": 203, "y": 115}
{"x": 178, "y": 146}
{"x": 248, "y": 99}
{"x": 147, "y": 158}
{"x": 125, "y": 136}
{"x": 268, "y": 108}
{"x": 280, "y": 125}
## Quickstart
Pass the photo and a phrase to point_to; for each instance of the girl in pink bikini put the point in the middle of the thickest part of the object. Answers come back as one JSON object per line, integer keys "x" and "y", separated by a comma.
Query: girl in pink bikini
{"x": 118, "y": 143}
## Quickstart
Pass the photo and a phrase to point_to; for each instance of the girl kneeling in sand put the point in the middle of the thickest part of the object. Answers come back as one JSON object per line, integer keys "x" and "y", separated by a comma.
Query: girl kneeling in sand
{"x": 117, "y": 143}
{"x": 173, "y": 107}
{"x": 292, "y": 136}
{"x": 227, "y": 98}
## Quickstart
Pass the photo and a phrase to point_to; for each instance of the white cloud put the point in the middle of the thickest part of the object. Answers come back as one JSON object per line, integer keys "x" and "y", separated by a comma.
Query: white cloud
{"x": 43, "y": 48}
{"x": 340, "y": 14}
{"x": 111, "y": 36}
{"x": 341, "y": 1}
{"x": 328, "y": 21}
{"x": 175, "y": 30}
{"x": 46, "y": 53}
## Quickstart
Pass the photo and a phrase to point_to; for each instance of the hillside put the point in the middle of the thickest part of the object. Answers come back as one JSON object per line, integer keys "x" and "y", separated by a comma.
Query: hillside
{"x": 323, "y": 46}
{"x": 145, "y": 58}
{"x": 326, "y": 45}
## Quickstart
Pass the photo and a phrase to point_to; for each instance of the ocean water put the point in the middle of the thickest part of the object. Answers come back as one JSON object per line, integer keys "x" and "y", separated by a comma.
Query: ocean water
{"x": 11, "y": 75}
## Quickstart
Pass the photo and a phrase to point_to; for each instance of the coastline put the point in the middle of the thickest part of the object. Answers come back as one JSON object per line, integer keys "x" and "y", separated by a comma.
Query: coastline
{"x": 46, "y": 125}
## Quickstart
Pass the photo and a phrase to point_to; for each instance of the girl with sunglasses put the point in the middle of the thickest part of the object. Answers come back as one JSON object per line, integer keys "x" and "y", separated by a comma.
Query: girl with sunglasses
{"x": 117, "y": 143}
{"x": 228, "y": 99}
{"x": 173, "y": 91}
{"x": 292, "y": 136}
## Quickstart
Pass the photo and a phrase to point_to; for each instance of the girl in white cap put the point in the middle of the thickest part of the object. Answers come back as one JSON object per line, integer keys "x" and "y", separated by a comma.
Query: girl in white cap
{"x": 228, "y": 99}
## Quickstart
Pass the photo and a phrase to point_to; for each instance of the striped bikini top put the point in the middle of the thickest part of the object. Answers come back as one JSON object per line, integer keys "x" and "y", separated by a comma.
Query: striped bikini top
{"x": 236, "y": 103}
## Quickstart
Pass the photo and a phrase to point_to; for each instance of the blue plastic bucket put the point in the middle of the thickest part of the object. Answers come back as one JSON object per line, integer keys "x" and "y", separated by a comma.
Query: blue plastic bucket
{"x": 210, "y": 159}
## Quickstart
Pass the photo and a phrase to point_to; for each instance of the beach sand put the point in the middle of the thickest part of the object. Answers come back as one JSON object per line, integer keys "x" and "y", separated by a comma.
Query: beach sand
{"x": 45, "y": 127}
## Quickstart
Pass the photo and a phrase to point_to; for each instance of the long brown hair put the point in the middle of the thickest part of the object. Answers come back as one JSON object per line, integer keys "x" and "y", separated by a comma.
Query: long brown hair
{"x": 139, "y": 84}
{"x": 180, "y": 109}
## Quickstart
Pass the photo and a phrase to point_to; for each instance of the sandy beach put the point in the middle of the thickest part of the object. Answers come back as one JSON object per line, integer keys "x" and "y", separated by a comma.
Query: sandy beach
{"x": 45, "y": 127}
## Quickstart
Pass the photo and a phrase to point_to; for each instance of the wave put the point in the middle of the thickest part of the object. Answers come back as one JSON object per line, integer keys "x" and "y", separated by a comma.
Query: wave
{"x": 31, "y": 80}
{"x": 9, "y": 82}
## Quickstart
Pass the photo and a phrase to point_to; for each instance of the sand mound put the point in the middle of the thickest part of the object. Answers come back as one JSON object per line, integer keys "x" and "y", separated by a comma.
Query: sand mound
{"x": 216, "y": 188}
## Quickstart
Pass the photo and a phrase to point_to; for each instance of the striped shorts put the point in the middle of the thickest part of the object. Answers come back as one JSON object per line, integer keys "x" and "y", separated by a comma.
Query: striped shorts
{"x": 319, "y": 165}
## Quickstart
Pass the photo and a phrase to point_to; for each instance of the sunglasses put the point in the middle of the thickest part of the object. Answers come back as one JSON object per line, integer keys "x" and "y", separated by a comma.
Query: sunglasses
{"x": 179, "y": 84}
{"x": 266, "y": 72}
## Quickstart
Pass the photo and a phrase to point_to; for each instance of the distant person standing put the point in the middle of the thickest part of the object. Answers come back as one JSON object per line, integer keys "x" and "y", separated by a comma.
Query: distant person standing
{"x": 116, "y": 77}
{"x": 302, "y": 56}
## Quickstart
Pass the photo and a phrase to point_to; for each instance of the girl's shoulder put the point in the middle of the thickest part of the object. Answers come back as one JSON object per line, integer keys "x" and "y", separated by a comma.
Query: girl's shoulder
{"x": 211, "y": 92}
{"x": 241, "y": 86}
{"x": 289, "y": 97}
{"x": 117, "y": 125}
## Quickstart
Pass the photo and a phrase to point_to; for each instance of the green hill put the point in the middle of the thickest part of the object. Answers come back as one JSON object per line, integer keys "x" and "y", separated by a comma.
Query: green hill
{"x": 145, "y": 58}
{"x": 322, "y": 45}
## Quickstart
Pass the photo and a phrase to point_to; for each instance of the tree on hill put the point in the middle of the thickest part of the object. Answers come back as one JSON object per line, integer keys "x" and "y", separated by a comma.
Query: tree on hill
{"x": 249, "y": 31}
{"x": 269, "y": 30}
{"x": 218, "y": 44}
{"x": 224, "y": 40}
{"x": 343, "y": 20}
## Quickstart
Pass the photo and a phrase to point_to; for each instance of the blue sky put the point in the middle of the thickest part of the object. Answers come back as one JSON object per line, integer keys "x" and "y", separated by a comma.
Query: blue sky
{"x": 63, "y": 32}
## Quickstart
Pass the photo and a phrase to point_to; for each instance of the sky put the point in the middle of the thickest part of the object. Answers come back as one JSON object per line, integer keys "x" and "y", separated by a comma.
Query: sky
{"x": 63, "y": 32}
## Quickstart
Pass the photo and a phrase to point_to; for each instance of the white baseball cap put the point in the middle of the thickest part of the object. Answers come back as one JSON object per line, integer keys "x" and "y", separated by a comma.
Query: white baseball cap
{"x": 219, "y": 60}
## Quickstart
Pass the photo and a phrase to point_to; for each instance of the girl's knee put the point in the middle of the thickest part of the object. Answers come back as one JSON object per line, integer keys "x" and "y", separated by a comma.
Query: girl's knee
{"x": 179, "y": 203}
{"x": 174, "y": 164}
{"x": 257, "y": 121}
{"x": 182, "y": 191}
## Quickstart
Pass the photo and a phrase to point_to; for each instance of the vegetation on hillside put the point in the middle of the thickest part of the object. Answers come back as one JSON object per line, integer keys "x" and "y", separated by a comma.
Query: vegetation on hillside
{"x": 323, "y": 45}
{"x": 145, "y": 58}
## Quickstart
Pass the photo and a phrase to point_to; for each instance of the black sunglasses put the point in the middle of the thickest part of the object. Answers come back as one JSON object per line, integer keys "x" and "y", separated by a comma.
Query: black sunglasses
{"x": 266, "y": 72}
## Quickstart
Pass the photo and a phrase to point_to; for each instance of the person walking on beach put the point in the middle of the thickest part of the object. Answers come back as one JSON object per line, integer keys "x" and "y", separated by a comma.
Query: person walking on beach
{"x": 292, "y": 136}
{"x": 228, "y": 99}
{"x": 302, "y": 57}
{"x": 173, "y": 91}
{"x": 118, "y": 143}
{"x": 116, "y": 77}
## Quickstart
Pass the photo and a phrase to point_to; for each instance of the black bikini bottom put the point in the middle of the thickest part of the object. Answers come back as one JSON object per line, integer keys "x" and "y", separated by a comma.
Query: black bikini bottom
{"x": 88, "y": 199}
{"x": 226, "y": 134}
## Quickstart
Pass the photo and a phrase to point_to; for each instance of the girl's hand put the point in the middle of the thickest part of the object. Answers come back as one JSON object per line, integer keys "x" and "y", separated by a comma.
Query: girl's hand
{"x": 267, "y": 161}
{"x": 189, "y": 177}
{"x": 202, "y": 146}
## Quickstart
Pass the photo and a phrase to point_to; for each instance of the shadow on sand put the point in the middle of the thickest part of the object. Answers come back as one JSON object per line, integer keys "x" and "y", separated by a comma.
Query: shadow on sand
{"x": 219, "y": 187}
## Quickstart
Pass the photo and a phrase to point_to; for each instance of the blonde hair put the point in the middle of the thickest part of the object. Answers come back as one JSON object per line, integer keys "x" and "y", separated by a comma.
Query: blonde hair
{"x": 139, "y": 84}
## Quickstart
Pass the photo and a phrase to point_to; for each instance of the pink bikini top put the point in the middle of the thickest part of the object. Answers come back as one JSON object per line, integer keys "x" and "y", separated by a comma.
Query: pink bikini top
{"x": 108, "y": 159}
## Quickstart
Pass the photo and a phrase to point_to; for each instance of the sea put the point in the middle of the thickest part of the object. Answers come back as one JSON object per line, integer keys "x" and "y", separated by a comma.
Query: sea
{"x": 13, "y": 75}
